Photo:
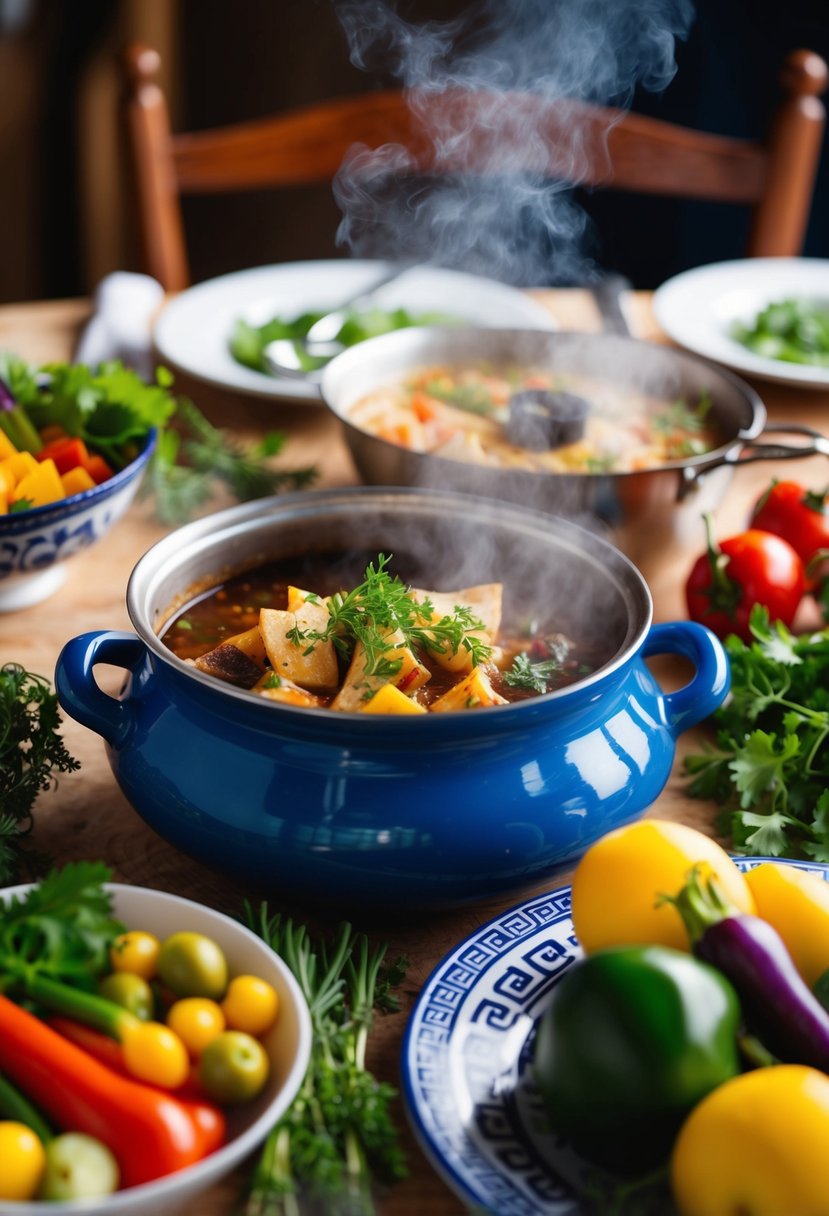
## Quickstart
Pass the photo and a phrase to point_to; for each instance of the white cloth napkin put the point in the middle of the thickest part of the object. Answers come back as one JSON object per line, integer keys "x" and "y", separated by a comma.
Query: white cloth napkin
{"x": 121, "y": 327}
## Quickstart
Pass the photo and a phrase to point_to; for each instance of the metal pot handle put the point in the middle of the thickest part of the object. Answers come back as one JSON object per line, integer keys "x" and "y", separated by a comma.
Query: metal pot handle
{"x": 758, "y": 450}
{"x": 78, "y": 690}
{"x": 711, "y": 681}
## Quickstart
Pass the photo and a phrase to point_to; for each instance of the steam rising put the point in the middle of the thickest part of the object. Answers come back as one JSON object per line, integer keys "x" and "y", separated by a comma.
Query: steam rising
{"x": 494, "y": 202}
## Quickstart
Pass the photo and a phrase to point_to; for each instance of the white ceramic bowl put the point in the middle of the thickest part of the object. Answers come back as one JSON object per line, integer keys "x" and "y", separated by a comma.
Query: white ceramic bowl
{"x": 35, "y": 544}
{"x": 288, "y": 1045}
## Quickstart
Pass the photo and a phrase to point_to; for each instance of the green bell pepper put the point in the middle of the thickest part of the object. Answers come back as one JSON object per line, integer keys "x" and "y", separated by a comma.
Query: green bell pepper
{"x": 633, "y": 1038}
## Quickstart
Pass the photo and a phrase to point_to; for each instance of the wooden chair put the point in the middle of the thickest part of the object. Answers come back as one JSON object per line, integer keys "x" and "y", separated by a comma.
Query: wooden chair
{"x": 615, "y": 148}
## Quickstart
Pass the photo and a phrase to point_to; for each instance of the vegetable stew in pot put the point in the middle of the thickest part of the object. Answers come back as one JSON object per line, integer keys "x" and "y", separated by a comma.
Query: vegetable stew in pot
{"x": 351, "y": 635}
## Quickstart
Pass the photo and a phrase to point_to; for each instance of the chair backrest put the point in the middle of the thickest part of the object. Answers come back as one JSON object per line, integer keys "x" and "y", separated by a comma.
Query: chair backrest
{"x": 616, "y": 148}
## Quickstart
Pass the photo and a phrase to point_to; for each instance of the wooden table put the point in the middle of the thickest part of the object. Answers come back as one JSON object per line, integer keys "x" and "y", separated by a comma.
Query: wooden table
{"x": 86, "y": 816}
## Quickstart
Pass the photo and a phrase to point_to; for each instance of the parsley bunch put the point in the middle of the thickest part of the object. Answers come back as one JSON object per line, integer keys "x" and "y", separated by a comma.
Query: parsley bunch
{"x": 338, "y": 1135}
{"x": 381, "y": 605}
{"x": 769, "y": 769}
{"x": 32, "y": 752}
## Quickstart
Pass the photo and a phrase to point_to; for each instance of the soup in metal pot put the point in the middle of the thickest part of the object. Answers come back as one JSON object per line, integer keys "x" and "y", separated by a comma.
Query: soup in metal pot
{"x": 541, "y": 421}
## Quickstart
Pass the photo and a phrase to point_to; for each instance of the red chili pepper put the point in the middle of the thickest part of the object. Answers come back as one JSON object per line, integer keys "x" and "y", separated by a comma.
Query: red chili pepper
{"x": 67, "y": 453}
{"x": 150, "y": 1133}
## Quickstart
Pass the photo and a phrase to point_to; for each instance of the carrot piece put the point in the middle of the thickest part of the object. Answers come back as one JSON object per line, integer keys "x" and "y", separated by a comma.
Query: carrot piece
{"x": 67, "y": 453}
{"x": 97, "y": 468}
{"x": 423, "y": 406}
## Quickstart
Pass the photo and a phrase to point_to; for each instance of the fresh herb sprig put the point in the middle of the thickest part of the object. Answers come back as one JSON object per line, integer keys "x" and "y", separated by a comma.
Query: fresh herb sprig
{"x": 113, "y": 410}
{"x": 32, "y": 753}
{"x": 769, "y": 767}
{"x": 531, "y": 675}
{"x": 382, "y": 606}
{"x": 338, "y": 1135}
{"x": 61, "y": 930}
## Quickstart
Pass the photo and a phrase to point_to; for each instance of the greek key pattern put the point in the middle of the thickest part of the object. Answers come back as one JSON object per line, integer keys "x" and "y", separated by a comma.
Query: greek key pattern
{"x": 467, "y": 1055}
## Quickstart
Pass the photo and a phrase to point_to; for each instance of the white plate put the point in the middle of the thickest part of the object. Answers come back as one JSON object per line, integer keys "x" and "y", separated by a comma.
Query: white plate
{"x": 699, "y": 308}
{"x": 467, "y": 1056}
{"x": 193, "y": 331}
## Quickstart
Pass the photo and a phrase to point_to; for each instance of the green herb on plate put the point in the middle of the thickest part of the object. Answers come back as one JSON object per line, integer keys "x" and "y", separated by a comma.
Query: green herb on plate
{"x": 792, "y": 330}
{"x": 32, "y": 753}
{"x": 248, "y": 342}
{"x": 769, "y": 767}
{"x": 338, "y": 1136}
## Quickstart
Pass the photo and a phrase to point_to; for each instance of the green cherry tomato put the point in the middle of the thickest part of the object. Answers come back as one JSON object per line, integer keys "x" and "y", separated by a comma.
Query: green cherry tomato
{"x": 130, "y": 992}
{"x": 78, "y": 1167}
{"x": 190, "y": 964}
{"x": 234, "y": 1067}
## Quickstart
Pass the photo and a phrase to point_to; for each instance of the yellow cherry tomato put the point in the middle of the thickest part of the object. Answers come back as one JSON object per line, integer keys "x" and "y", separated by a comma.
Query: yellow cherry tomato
{"x": 756, "y": 1145}
{"x": 250, "y": 1004}
{"x": 22, "y": 1161}
{"x": 136, "y": 952}
{"x": 197, "y": 1021}
{"x": 796, "y": 903}
{"x": 154, "y": 1053}
{"x": 618, "y": 882}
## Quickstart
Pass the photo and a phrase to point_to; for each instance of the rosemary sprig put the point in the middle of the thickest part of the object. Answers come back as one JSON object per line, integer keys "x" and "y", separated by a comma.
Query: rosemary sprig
{"x": 338, "y": 1135}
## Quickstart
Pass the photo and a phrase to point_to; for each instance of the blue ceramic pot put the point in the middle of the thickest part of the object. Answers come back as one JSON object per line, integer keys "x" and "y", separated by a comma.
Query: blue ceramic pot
{"x": 428, "y": 810}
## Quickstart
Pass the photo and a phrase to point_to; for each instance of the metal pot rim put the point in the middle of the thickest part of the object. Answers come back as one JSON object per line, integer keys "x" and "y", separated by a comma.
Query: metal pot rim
{"x": 219, "y": 530}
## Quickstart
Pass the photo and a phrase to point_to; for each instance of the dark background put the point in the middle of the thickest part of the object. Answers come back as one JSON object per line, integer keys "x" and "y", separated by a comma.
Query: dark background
{"x": 65, "y": 218}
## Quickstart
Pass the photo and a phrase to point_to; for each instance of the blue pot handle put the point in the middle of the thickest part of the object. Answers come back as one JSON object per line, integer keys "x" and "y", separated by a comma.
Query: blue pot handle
{"x": 78, "y": 691}
{"x": 709, "y": 687}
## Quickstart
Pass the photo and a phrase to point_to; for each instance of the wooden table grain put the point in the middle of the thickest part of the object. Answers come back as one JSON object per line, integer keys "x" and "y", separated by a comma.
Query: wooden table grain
{"x": 86, "y": 816}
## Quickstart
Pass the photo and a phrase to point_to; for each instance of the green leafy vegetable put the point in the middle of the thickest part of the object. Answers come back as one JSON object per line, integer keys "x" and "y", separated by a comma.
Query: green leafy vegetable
{"x": 794, "y": 331}
{"x": 338, "y": 1135}
{"x": 32, "y": 752}
{"x": 380, "y": 606}
{"x": 113, "y": 411}
{"x": 769, "y": 769}
{"x": 60, "y": 930}
{"x": 248, "y": 342}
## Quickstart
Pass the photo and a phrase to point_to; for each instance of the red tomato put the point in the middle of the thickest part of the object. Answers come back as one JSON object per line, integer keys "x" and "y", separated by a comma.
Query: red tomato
{"x": 799, "y": 515}
{"x": 751, "y": 568}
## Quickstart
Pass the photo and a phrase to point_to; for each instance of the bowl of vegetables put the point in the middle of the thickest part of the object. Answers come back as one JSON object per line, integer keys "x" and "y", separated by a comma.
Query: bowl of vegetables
{"x": 149, "y": 1044}
{"x": 394, "y": 695}
{"x": 72, "y": 457}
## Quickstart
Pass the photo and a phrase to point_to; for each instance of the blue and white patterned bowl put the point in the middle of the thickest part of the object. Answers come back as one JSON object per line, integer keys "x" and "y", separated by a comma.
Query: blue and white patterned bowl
{"x": 35, "y": 544}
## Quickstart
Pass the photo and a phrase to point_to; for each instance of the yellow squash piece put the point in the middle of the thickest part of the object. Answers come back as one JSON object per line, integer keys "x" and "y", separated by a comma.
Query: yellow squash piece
{"x": 484, "y": 602}
{"x": 250, "y": 643}
{"x": 796, "y": 903}
{"x": 472, "y": 692}
{"x": 390, "y": 700}
{"x": 297, "y": 597}
{"x": 40, "y": 487}
{"x": 75, "y": 481}
{"x": 7, "y": 448}
{"x": 17, "y": 466}
{"x": 359, "y": 687}
{"x": 312, "y": 665}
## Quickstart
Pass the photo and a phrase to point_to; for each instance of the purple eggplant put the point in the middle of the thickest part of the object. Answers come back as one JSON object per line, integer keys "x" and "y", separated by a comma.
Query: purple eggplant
{"x": 778, "y": 1005}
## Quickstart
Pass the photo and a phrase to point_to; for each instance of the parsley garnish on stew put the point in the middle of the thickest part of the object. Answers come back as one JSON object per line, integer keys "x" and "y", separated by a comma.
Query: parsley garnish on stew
{"x": 381, "y": 605}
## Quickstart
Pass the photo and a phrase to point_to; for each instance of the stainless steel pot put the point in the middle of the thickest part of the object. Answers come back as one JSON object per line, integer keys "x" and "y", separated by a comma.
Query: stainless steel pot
{"x": 642, "y": 509}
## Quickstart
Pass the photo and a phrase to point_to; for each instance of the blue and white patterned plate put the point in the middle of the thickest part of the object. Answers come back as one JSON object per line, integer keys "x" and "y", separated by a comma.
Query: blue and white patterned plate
{"x": 467, "y": 1061}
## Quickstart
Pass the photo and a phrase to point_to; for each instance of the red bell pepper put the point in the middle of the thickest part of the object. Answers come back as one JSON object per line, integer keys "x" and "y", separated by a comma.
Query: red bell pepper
{"x": 151, "y": 1133}
{"x": 97, "y": 468}
{"x": 67, "y": 453}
